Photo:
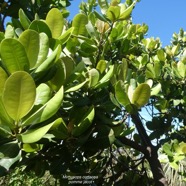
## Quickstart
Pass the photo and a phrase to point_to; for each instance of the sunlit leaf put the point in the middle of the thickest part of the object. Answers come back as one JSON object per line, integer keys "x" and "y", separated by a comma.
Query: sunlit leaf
{"x": 13, "y": 55}
{"x": 141, "y": 95}
{"x": 19, "y": 94}
{"x": 30, "y": 41}
{"x": 55, "y": 21}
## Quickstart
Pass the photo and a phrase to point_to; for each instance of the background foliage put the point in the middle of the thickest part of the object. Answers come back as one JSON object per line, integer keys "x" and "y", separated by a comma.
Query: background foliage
{"x": 74, "y": 96}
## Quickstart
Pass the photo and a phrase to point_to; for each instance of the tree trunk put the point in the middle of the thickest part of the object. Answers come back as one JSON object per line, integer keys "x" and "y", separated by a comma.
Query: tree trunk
{"x": 151, "y": 153}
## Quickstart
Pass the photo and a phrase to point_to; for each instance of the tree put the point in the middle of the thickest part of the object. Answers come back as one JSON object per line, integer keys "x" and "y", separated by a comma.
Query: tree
{"x": 73, "y": 97}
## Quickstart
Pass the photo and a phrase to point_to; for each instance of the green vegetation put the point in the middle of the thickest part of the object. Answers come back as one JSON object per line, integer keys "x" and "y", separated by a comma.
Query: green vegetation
{"x": 73, "y": 96}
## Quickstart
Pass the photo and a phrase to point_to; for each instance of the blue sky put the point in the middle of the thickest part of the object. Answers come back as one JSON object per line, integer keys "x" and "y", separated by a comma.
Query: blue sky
{"x": 164, "y": 17}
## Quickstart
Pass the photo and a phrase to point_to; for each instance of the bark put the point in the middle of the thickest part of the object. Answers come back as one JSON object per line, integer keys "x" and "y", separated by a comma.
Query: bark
{"x": 148, "y": 150}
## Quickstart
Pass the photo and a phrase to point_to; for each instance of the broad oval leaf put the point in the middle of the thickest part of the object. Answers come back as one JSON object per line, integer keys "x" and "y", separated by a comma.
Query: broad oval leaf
{"x": 141, "y": 95}
{"x": 13, "y": 55}
{"x": 40, "y": 26}
{"x": 34, "y": 135}
{"x": 79, "y": 22}
{"x": 30, "y": 41}
{"x": 93, "y": 77}
{"x": 55, "y": 22}
{"x": 19, "y": 94}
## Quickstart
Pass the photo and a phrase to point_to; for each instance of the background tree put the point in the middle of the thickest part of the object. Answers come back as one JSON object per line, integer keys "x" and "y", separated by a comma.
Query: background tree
{"x": 74, "y": 96}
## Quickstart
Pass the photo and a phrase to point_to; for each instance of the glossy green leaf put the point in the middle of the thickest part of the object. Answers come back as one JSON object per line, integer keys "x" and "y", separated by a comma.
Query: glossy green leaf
{"x": 60, "y": 76}
{"x": 55, "y": 22}
{"x": 43, "y": 94}
{"x": 43, "y": 48}
{"x": 101, "y": 66}
{"x": 113, "y": 13}
{"x": 65, "y": 36}
{"x": 19, "y": 94}
{"x": 3, "y": 78}
{"x": 181, "y": 69}
{"x": 47, "y": 110}
{"x": 155, "y": 90}
{"x": 5, "y": 119}
{"x": 126, "y": 13}
{"x": 25, "y": 22}
{"x": 9, "y": 154}
{"x": 85, "y": 122}
{"x": 108, "y": 75}
{"x": 33, "y": 147}
{"x": 34, "y": 135}
{"x": 13, "y": 55}
{"x": 141, "y": 95}
{"x": 40, "y": 26}
{"x": 30, "y": 41}
{"x": 76, "y": 87}
{"x": 93, "y": 77}
{"x": 121, "y": 94}
{"x": 51, "y": 59}
{"x": 79, "y": 22}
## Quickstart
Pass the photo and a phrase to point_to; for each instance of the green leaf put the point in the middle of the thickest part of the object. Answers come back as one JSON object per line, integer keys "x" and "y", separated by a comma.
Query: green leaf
{"x": 141, "y": 95}
{"x": 43, "y": 48}
{"x": 167, "y": 149}
{"x": 5, "y": 119}
{"x": 30, "y": 41}
{"x": 33, "y": 147}
{"x": 113, "y": 13}
{"x": 65, "y": 36}
{"x": 9, "y": 32}
{"x": 104, "y": 5}
{"x": 46, "y": 111}
{"x": 93, "y": 77}
{"x": 13, "y": 55}
{"x": 34, "y": 135}
{"x": 79, "y": 22}
{"x": 126, "y": 14}
{"x": 121, "y": 94}
{"x": 49, "y": 61}
{"x": 101, "y": 66}
{"x": 43, "y": 94}
{"x": 85, "y": 122}
{"x": 25, "y": 22}
{"x": 40, "y": 26}
{"x": 3, "y": 78}
{"x": 155, "y": 90}
{"x": 9, "y": 154}
{"x": 76, "y": 87}
{"x": 55, "y": 22}
{"x": 181, "y": 69}
{"x": 19, "y": 94}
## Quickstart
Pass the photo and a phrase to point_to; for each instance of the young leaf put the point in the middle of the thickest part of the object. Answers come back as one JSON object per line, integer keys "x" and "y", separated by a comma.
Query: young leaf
{"x": 19, "y": 94}
{"x": 25, "y": 22}
{"x": 126, "y": 14}
{"x": 141, "y": 95}
{"x": 55, "y": 22}
{"x": 13, "y": 55}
